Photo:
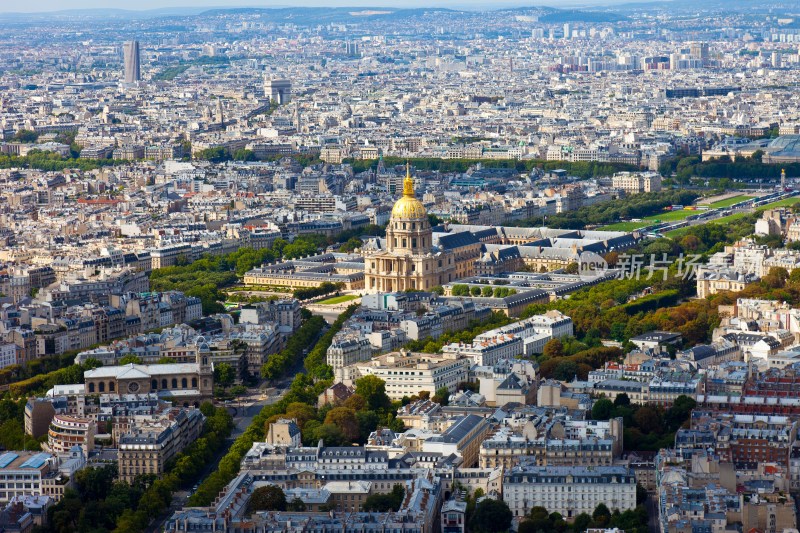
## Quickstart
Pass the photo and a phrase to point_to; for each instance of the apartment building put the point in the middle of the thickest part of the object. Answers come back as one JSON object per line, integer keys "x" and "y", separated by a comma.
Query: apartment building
{"x": 408, "y": 374}
{"x": 487, "y": 351}
{"x": 152, "y": 441}
{"x": 508, "y": 451}
{"x": 568, "y": 490}
{"x": 8, "y": 355}
{"x": 636, "y": 182}
{"x": 346, "y": 351}
{"x": 66, "y": 431}
{"x": 463, "y": 438}
{"x": 24, "y": 473}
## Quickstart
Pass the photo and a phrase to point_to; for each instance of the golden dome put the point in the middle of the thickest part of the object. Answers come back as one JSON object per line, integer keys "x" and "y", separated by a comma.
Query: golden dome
{"x": 408, "y": 207}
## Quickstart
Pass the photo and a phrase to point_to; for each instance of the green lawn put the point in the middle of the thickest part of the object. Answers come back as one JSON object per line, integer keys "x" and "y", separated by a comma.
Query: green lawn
{"x": 728, "y": 201}
{"x": 666, "y": 216}
{"x": 338, "y": 299}
{"x": 624, "y": 226}
{"x": 780, "y": 203}
{"x": 672, "y": 216}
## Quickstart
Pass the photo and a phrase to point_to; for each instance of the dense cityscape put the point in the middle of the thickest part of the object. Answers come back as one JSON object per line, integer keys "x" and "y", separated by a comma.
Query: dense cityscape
{"x": 400, "y": 270}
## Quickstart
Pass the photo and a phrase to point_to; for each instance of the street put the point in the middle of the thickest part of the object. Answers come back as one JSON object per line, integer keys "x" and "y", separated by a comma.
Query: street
{"x": 651, "y": 504}
{"x": 243, "y": 414}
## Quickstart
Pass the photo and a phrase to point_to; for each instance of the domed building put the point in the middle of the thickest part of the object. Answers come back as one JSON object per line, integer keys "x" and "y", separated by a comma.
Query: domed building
{"x": 407, "y": 258}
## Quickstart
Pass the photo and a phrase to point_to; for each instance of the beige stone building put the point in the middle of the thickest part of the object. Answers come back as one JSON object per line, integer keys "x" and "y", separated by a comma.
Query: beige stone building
{"x": 153, "y": 441}
{"x": 284, "y": 432}
{"x": 636, "y": 182}
{"x": 187, "y": 383}
{"x": 67, "y": 431}
{"x": 409, "y": 260}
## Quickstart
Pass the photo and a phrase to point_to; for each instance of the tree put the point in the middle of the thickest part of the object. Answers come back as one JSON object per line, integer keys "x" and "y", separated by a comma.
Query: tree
{"x": 267, "y": 498}
{"x": 582, "y": 522}
{"x": 486, "y": 292}
{"x": 690, "y": 243}
{"x": 647, "y": 419}
{"x": 215, "y": 155}
{"x": 602, "y": 409}
{"x": 299, "y": 248}
{"x": 460, "y": 290}
{"x": 356, "y": 403}
{"x": 565, "y": 370}
{"x": 95, "y": 483}
{"x": 679, "y": 412}
{"x": 468, "y": 385}
{"x": 776, "y": 278}
{"x": 243, "y": 154}
{"x": 373, "y": 390}
{"x": 224, "y": 374}
{"x": 658, "y": 248}
{"x": 367, "y": 423}
{"x": 25, "y": 136}
{"x": 475, "y": 291}
{"x": 301, "y": 412}
{"x": 128, "y": 359}
{"x": 442, "y": 396}
{"x": 641, "y": 494}
{"x": 572, "y": 268}
{"x": 622, "y": 399}
{"x": 553, "y": 348}
{"x": 617, "y": 331}
{"x": 601, "y": 515}
{"x": 491, "y": 516}
{"x": 383, "y": 503}
{"x": 330, "y": 434}
{"x": 352, "y": 244}
{"x": 434, "y": 220}
{"x": 344, "y": 419}
{"x": 438, "y": 290}
{"x": 296, "y": 506}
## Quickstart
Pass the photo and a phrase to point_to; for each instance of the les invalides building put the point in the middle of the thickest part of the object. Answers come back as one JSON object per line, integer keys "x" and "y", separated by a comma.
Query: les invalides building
{"x": 407, "y": 258}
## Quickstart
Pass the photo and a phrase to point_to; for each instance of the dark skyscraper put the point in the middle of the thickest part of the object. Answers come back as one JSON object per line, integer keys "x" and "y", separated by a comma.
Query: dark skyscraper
{"x": 131, "y": 53}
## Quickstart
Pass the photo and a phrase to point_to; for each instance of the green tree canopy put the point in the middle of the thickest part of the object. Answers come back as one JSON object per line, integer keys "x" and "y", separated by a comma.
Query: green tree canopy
{"x": 215, "y": 155}
{"x": 243, "y": 154}
{"x": 373, "y": 390}
{"x": 553, "y": 348}
{"x": 382, "y": 503}
{"x": 224, "y": 374}
{"x": 602, "y": 409}
{"x": 491, "y": 516}
{"x": 267, "y": 498}
{"x": 442, "y": 396}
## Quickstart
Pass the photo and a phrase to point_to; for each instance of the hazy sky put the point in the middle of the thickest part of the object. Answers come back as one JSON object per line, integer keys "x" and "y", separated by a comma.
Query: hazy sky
{"x": 55, "y": 5}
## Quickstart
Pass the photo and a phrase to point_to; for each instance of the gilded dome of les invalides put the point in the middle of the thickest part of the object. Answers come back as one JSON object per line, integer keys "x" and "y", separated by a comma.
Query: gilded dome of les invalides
{"x": 408, "y": 207}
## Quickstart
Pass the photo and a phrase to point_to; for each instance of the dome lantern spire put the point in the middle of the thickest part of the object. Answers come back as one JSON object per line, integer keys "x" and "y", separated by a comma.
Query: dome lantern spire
{"x": 408, "y": 183}
{"x": 408, "y": 207}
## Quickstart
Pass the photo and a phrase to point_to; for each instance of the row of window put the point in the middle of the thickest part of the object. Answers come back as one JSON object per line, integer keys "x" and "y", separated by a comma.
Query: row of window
{"x": 184, "y": 384}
